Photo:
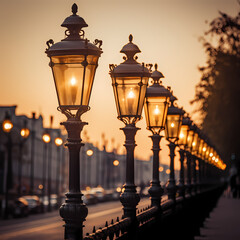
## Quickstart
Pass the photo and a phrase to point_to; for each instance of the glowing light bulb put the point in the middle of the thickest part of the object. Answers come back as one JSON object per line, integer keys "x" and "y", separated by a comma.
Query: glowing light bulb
{"x": 211, "y": 154}
{"x": 73, "y": 81}
{"x": 204, "y": 149}
{"x": 172, "y": 125}
{"x": 193, "y": 144}
{"x": 156, "y": 110}
{"x": 181, "y": 135}
{"x": 131, "y": 94}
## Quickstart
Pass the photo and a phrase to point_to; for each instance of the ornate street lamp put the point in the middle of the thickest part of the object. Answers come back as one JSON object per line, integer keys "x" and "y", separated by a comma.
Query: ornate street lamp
{"x": 172, "y": 131}
{"x": 182, "y": 143}
{"x": 74, "y": 61}
{"x": 156, "y": 107}
{"x": 129, "y": 81}
{"x": 7, "y": 126}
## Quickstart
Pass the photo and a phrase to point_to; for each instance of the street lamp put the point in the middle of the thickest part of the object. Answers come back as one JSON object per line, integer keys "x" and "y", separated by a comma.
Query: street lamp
{"x": 58, "y": 142}
{"x": 129, "y": 81}
{"x": 7, "y": 126}
{"x": 24, "y": 132}
{"x": 172, "y": 131}
{"x": 89, "y": 153}
{"x": 156, "y": 107}
{"x": 74, "y": 61}
{"x": 182, "y": 143}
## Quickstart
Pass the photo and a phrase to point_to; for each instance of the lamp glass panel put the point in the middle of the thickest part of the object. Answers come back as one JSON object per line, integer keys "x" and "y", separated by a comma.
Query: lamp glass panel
{"x": 129, "y": 95}
{"x": 183, "y": 135}
{"x": 195, "y": 142}
{"x": 73, "y": 76}
{"x": 155, "y": 109}
{"x": 173, "y": 124}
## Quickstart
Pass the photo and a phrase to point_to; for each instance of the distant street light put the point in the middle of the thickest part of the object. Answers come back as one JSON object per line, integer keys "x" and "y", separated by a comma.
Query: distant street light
{"x": 156, "y": 107}
{"x": 7, "y": 126}
{"x": 89, "y": 152}
{"x": 172, "y": 131}
{"x": 115, "y": 163}
{"x": 129, "y": 81}
{"x": 24, "y": 135}
{"x": 74, "y": 61}
{"x": 58, "y": 142}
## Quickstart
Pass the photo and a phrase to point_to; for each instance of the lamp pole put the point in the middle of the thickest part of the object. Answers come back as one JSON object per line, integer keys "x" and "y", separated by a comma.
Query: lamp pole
{"x": 156, "y": 107}
{"x": 7, "y": 126}
{"x": 74, "y": 61}
{"x": 24, "y": 135}
{"x": 173, "y": 126}
{"x": 32, "y": 153}
{"x": 129, "y": 81}
{"x": 58, "y": 142}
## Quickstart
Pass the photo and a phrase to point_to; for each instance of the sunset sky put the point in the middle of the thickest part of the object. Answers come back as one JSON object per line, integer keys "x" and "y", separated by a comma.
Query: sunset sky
{"x": 166, "y": 31}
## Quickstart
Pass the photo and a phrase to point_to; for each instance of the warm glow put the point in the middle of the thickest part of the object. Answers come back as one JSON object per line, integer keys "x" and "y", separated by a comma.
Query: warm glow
{"x": 181, "y": 135}
{"x": 40, "y": 186}
{"x": 193, "y": 144}
{"x": 161, "y": 169}
{"x": 89, "y": 152}
{"x": 25, "y": 132}
{"x": 73, "y": 81}
{"x": 213, "y": 158}
{"x": 131, "y": 94}
{"x": 168, "y": 171}
{"x": 204, "y": 149}
{"x": 58, "y": 141}
{"x": 115, "y": 162}
{"x": 172, "y": 125}
{"x": 46, "y": 138}
{"x": 211, "y": 154}
{"x": 118, "y": 189}
{"x": 7, "y": 125}
{"x": 156, "y": 110}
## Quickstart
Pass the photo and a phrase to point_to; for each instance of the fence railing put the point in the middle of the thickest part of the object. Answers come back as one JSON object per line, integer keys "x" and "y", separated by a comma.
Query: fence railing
{"x": 182, "y": 217}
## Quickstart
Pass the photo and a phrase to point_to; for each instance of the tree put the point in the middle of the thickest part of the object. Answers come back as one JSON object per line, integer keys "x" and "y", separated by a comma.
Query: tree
{"x": 218, "y": 92}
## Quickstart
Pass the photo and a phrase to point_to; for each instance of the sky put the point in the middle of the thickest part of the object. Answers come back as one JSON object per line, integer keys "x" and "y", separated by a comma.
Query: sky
{"x": 166, "y": 31}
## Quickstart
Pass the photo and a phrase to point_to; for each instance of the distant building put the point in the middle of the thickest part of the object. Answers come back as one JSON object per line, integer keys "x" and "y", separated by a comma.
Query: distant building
{"x": 39, "y": 156}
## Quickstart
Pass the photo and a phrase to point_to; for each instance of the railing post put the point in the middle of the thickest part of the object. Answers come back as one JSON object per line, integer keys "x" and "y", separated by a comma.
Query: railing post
{"x": 171, "y": 185}
{"x": 155, "y": 189}
{"x": 181, "y": 185}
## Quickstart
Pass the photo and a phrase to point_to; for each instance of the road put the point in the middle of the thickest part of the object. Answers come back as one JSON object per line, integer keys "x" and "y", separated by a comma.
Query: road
{"x": 49, "y": 225}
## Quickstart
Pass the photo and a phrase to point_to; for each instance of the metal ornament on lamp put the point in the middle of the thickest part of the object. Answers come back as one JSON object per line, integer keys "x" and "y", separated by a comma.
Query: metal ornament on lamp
{"x": 74, "y": 61}
{"x": 129, "y": 81}
{"x": 155, "y": 108}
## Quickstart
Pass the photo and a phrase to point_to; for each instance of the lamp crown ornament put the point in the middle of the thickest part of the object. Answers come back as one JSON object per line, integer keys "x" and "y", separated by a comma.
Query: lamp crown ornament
{"x": 156, "y": 75}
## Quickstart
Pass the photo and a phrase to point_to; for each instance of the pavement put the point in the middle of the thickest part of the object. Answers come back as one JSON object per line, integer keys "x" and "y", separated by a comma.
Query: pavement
{"x": 224, "y": 220}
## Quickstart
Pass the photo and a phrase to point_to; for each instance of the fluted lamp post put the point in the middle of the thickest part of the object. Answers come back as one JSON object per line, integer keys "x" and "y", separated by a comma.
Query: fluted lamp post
{"x": 129, "y": 81}
{"x": 74, "y": 61}
{"x": 172, "y": 131}
{"x": 155, "y": 108}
